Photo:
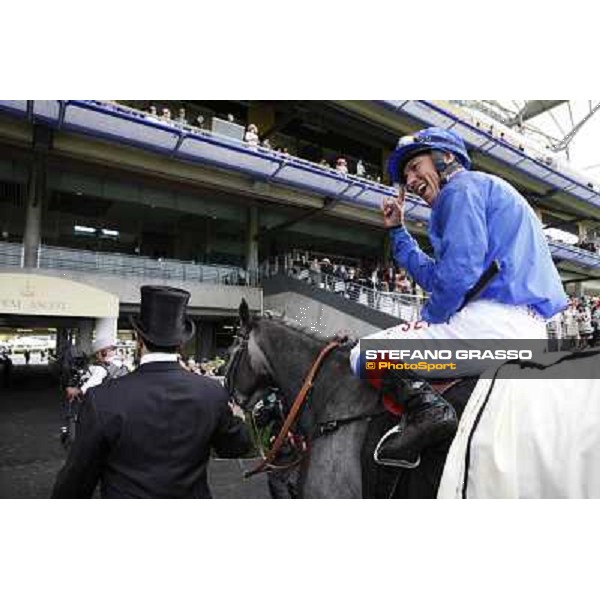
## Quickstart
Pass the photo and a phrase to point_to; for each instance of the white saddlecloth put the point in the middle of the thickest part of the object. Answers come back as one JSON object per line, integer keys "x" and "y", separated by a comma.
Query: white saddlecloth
{"x": 536, "y": 438}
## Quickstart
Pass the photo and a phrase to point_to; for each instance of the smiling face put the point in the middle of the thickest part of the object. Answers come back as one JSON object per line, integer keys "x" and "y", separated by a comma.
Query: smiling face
{"x": 421, "y": 176}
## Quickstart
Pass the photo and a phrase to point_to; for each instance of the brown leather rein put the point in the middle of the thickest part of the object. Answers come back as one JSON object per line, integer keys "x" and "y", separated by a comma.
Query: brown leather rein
{"x": 267, "y": 462}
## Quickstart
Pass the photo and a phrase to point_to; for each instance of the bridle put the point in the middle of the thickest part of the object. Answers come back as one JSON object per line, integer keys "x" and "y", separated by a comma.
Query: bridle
{"x": 267, "y": 463}
{"x": 233, "y": 366}
{"x": 327, "y": 427}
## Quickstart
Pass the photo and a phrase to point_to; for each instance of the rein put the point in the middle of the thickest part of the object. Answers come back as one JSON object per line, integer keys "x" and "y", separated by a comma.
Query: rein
{"x": 267, "y": 461}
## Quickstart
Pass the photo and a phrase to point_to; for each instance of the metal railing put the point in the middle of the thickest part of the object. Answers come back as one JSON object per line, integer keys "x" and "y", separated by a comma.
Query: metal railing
{"x": 124, "y": 265}
{"x": 403, "y": 306}
{"x": 11, "y": 255}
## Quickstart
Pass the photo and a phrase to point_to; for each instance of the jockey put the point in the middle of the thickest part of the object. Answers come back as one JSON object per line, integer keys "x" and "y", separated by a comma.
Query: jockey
{"x": 475, "y": 219}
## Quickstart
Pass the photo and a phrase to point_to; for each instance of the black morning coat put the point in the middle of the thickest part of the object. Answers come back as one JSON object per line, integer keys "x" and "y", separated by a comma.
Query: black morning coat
{"x": 149, "y": 434}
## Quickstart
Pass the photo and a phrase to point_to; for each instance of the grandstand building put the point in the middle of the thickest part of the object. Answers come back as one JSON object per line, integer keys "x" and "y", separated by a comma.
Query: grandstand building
{"x": 98, "y": 198}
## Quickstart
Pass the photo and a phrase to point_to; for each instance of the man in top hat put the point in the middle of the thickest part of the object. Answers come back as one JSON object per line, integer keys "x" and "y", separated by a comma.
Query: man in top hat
{"x": 149, "y": 434}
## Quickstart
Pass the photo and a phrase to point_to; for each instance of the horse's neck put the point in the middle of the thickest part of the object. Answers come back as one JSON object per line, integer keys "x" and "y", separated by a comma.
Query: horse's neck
{"x": 334, "y": 467}
{"x": 291, "y": 355}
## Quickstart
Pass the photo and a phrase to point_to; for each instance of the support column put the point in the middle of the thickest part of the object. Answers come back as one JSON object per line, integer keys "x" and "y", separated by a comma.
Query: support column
{"x": 582, "y": 231}
{"x": 36, "y": 191}
{"x": 252, "y": 243}
{"x": 33, "y": 216}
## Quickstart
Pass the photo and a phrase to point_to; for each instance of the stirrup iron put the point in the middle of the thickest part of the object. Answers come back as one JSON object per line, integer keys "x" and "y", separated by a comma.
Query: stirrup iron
{"x": 390, "y": 462}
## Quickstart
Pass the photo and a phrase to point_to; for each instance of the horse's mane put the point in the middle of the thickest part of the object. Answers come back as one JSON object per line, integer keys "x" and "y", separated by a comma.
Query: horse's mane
{"x": 294, "y": 325}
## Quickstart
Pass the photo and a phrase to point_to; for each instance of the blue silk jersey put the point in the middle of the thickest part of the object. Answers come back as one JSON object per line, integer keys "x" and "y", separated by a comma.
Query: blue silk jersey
{"x": 476, "y": 219}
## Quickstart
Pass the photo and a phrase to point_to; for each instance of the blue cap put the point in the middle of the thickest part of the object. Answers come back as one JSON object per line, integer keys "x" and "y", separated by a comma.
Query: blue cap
{"x": 426, "y": 140}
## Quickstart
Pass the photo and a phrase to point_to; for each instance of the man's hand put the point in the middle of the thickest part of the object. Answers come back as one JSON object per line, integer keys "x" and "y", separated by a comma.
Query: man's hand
{"x": 72, "y": 393}
{"x": 393, "y": 210}
{"x": 237, "y": 411}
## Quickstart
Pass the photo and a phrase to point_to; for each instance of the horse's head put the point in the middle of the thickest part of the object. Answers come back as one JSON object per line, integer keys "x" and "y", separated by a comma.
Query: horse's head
{"x": 248, "y": 376}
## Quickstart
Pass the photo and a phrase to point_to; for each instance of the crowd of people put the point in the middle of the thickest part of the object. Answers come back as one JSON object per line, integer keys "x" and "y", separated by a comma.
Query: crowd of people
{"x": 344, "y": 275}
{"x": 179, "y": 116}
{"x": 211, "y": 368}
{"x": 589, "y": 245}
{"x": 578, "y": 326}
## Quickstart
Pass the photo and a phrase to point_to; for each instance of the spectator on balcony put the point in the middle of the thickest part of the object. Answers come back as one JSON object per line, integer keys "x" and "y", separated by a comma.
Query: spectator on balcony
{"x": 362, "y": 276}
{"x": 327, "y": 271}
{"x": 339, "y": 273}
{"x": 389, "y": 276}
{"x": 266, "y": 144}
{"x": 152, "y": 114}
{"x": 341, "y": 166}
{"x": 304, "y": 274}
{"x": 251, "y": 136}
{"x": 181, "y": 119}
{"x": 315, "y": 272}
{"x": 360, "y": 169}
{"x": 403, "y": 285}
{"x": 324, "y": 163}
{"x": 352, "y": 288}
{"x": 166, "y": 114}
{"x": 199, "y": 121}
{"x": 326, "y": 267}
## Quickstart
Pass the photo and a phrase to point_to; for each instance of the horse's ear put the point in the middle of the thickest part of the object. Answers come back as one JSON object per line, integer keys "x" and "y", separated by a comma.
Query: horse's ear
{"x": 244, "y": 311}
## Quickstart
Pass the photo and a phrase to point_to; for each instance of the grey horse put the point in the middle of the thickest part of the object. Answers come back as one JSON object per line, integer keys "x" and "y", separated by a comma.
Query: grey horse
{"x": 342, "y": 418}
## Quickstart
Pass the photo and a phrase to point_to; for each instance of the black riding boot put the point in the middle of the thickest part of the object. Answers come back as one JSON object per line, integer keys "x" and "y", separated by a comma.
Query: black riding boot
{"x": 428, "y": 420}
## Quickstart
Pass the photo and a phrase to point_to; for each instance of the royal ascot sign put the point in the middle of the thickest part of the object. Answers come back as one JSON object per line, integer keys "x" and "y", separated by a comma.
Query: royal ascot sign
{"x": 26, "y": 294}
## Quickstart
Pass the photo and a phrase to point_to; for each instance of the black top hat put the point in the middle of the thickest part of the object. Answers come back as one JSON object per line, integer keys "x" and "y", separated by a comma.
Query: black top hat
{"x": 162, "y": 319}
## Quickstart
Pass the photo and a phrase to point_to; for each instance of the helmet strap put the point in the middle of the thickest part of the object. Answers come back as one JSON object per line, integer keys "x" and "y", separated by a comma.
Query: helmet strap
{"x": 444, "y": 169}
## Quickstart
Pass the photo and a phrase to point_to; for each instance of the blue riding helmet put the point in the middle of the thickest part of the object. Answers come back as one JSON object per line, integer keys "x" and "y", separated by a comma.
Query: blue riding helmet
{"x": 426, "y": 140}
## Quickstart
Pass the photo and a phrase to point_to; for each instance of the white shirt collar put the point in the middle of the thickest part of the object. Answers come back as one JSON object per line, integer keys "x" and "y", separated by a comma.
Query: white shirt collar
{"x": 158, "y": 357}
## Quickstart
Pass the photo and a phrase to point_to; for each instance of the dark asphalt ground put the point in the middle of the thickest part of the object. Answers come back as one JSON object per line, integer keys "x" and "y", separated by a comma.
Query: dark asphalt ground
{"x": 31, "y": 454}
